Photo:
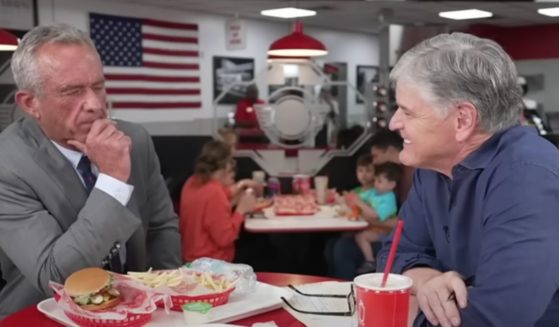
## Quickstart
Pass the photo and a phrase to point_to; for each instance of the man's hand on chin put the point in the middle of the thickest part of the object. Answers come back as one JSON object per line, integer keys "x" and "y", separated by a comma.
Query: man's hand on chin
{"x": 108, "y": 148}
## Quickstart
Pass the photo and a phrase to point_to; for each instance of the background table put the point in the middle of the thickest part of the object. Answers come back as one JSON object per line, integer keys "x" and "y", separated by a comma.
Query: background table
{"x": 324, "y": 220}
{"x": 32, "y": 317}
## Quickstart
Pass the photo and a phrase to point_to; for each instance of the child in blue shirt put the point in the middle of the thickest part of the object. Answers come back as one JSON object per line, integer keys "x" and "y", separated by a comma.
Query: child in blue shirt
{"x": 365, "y": 175}
{"x": 377, "y": 202}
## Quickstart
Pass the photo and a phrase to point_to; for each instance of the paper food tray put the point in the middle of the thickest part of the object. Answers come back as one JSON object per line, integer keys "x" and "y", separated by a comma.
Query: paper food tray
{"x": 321, "y": 212}
{"x": 265, "y": 298}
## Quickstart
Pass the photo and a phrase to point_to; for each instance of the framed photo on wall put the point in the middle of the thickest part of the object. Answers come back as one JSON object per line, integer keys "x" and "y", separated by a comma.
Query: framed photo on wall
{"x": 19, "y": 15}
{"x": 365, "y": 75}
{"x": 231, "y": 70}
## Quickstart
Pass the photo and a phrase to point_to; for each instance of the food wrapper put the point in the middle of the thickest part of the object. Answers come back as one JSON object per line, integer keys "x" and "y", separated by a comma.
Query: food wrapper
{"x": 241, "y": 275}
{"x": 136, "y": 298}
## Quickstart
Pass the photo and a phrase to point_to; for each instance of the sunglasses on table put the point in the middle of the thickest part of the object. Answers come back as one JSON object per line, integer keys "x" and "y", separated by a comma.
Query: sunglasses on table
{"x": 350, "y": 302}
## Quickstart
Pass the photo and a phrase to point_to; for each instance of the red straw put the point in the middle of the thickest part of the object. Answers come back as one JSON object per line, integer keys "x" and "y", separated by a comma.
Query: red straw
{"x": 392, "y": 253}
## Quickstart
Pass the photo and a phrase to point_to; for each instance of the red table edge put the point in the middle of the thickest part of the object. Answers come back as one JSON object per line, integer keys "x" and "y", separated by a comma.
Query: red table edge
{"x": 284, "y": 279}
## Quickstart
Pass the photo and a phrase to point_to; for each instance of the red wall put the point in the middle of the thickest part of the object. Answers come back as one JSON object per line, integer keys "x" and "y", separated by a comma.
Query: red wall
{"x": 524, "y": 42}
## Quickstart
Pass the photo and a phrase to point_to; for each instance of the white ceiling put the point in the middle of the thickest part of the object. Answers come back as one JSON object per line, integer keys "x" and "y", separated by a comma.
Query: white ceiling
{"x": 367, "y": 16}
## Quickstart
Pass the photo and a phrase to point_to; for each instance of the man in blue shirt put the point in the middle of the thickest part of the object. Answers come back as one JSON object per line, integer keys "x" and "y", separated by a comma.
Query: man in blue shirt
{"x": 481, "y": 232}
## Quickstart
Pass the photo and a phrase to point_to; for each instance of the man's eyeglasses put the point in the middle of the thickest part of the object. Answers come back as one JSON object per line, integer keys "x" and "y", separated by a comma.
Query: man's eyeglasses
{"x": 350, "y": 303}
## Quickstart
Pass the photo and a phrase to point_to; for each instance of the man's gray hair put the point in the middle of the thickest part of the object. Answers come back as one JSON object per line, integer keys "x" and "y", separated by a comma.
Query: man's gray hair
{"x": 24, "y": 61}
{"x": 451, "y": 68}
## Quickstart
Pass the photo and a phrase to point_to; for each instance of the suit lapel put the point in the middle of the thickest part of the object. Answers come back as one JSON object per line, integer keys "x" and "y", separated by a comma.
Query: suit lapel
{"x": 64, "y": 181}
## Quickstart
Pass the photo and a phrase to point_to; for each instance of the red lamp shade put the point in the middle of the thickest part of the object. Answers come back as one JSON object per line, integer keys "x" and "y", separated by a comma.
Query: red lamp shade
{"x": 8, "y": 41}
{"x": 297, "y": 44}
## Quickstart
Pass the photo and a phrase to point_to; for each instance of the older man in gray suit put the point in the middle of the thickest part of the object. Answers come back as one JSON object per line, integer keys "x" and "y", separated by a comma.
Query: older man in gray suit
{"x": 76, "y": 189}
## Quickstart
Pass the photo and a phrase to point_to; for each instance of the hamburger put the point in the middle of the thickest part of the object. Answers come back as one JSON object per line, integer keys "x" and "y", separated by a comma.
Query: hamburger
{"x": 91, "y": 289}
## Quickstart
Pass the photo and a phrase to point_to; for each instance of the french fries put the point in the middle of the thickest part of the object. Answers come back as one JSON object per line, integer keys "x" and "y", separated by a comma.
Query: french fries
{"x": 173, "y": 278}
{"x": 216, "y": 284}
{"x": 169, "y": 278}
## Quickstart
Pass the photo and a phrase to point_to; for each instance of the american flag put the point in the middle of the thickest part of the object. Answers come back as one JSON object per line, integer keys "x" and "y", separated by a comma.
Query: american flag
{"x": 148, "y": 63}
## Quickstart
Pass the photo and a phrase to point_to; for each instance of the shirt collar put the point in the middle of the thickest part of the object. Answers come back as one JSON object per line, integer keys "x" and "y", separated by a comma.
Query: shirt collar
{"x": 481, "y": 157}
{"x": 73, "y": 156}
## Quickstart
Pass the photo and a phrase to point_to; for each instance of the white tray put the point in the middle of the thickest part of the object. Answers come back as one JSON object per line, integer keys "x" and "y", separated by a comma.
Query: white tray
{"x": 265, "y": 298}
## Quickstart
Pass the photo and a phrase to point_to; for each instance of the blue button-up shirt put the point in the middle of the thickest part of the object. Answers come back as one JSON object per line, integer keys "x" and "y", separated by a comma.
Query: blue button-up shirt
{"x": 496, "y": 220}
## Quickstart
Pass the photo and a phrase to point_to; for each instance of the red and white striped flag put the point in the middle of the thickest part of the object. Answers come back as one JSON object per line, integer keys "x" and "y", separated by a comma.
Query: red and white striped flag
{"x": 148, "y": 64}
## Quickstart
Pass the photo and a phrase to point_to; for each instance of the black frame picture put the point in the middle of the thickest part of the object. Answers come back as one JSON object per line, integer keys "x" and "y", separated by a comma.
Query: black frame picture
{"x": 231, "y": 70}
{"x": 365, "y": 74}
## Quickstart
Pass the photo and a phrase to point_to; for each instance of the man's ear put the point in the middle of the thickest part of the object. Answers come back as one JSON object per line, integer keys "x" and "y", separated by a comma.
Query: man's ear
{"x": 465, "y": 121}
{"x": 27, "y": 101}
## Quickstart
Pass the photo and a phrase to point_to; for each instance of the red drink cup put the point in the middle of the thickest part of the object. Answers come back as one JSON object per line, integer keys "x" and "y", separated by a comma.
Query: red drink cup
{"x": 382, "y": 306}
{"x": 301, "y": 184}
{"x": 295, "y": 189}
{"x": 304, "y": 184}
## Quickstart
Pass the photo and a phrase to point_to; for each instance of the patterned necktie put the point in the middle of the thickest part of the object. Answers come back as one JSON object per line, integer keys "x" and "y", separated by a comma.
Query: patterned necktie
{"x": 84, "y": 167}
{"x": 112, "y": 261}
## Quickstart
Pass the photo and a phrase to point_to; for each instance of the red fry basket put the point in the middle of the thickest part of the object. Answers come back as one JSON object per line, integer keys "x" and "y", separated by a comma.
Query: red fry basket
{"x": 131, "y": 320}
{"x": 214, "y": 299}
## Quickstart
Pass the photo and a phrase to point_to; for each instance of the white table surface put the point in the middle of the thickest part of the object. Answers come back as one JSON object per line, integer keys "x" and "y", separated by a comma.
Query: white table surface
{"x": 326, "y": 219}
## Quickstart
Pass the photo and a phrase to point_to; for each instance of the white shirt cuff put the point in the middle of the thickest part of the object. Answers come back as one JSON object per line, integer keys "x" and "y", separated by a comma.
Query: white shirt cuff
{"x": 120, "y": 191}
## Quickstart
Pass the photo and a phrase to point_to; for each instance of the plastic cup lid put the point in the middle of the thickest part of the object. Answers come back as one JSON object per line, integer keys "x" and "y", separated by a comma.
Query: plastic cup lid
{"x": 373, "y": 281}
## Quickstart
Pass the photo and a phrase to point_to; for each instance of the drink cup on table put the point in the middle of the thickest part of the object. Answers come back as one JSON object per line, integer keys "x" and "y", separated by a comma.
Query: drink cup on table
{"x": 295, "y": 188}
{"x": 274, "y": 186}
{"x": 382, "y": 306}
{"x": 301, "y": 184}
{"x": 305, "y": 184}
{"x": 259, "y": 177}
{"x": 321, "y": 188}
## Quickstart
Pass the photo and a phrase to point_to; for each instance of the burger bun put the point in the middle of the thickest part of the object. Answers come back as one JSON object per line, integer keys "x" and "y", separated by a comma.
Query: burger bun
{"x": 87, "y": 281}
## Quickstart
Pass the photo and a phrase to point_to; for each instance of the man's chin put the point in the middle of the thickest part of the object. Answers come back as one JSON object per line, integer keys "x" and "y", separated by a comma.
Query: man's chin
{"x": 405, "y": 159}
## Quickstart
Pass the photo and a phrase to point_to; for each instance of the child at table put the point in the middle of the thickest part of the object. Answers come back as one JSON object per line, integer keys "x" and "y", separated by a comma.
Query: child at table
{"x": 365, "y": 175}
{"x": 208, "y": 226}
{"x": 376, "y": 201}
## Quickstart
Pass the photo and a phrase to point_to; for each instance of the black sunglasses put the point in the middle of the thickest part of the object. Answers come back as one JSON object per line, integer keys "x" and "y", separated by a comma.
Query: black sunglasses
{"x": 350, "y": 302}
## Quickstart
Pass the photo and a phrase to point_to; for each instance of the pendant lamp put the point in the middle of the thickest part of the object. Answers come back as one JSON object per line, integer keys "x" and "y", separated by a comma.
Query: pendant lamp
{"x": 8, "y": 41}
{"x": 297, "y": 44}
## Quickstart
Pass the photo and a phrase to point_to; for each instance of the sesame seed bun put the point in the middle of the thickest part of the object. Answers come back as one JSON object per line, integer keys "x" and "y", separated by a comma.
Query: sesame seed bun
{"x": 87, "y": 281}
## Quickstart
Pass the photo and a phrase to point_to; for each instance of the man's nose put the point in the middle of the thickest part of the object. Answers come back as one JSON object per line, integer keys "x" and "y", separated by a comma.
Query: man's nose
{"x": 395, "y": 122}
{"x": 94, "y": 101}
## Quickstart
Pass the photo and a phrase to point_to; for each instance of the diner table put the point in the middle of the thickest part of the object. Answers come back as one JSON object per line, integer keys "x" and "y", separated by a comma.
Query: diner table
{"x": 30, "y": 316}
{"x": 325, "y": 220}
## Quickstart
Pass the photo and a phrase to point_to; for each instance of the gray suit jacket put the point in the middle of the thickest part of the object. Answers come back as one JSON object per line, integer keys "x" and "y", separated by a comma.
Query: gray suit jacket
{"x": 50, "y": 227}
